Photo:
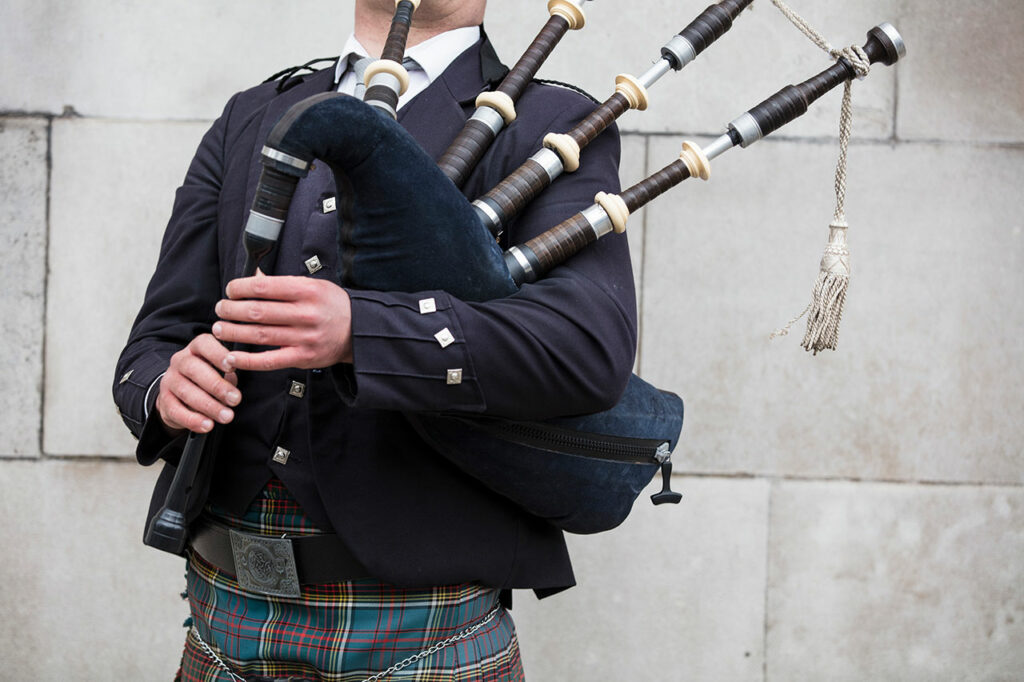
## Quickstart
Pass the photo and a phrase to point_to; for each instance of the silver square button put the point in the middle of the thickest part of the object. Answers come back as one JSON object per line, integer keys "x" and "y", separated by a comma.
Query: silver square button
{"x": 297, "y": 389}
{"x": 444, "y": 337}
{"x": 455, "y": 377}
{"x": 427, "y": 305}
{"x": 281, "y": 455}
{"x": 314, "y": 265}
{"x": 330, "y": 204}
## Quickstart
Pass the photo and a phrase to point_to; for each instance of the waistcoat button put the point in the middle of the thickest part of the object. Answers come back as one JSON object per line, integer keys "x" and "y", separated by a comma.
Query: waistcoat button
{"x": 281, "y": 455}
{"x": 444, "y": 337}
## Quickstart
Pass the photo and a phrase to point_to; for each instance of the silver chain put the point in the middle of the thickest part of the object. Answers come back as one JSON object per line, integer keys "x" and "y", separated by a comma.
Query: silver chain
{"x": 381, "y": 675}
{"x": 435, "y": 648}
{"x": 212, "y": 654}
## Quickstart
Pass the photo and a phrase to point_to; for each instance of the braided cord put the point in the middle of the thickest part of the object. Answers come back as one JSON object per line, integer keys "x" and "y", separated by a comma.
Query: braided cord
{"x": 862, "y": 66}
{"x": 829, "y": 295}
{"x": 804, "y": 27}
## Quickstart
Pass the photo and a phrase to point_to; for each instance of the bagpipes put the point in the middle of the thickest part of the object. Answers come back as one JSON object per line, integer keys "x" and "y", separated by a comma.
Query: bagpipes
{"x": 581, "y": 473}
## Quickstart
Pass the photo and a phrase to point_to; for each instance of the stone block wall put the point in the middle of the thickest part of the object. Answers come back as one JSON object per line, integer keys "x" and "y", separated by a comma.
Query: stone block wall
{"x": 854, "y": 515}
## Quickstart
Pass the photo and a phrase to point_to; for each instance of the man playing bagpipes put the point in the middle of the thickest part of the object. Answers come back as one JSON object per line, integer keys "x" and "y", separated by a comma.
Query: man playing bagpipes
{"x": 392, "y": 556}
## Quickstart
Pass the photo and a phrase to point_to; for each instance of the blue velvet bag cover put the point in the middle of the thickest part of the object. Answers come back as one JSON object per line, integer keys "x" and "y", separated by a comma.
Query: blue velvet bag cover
{"x": 404, "y": 226}
{"x": 580, "y": 473}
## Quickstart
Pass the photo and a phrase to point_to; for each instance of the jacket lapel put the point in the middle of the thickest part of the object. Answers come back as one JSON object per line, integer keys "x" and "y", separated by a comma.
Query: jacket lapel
{"x": 436, "y": 115}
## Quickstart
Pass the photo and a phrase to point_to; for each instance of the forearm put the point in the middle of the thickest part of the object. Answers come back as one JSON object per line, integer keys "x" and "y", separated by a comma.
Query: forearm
{"x": 564, "y": 345}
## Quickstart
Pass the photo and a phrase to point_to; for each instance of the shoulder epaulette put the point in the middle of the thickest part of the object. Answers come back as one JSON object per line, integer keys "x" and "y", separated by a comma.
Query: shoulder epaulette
{"x": 567, "y": 86}
{"x": 293, "y": 75}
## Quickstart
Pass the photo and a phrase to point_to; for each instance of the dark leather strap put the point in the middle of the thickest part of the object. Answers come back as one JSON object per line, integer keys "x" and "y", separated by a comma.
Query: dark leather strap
{"x": 318, "y": 558}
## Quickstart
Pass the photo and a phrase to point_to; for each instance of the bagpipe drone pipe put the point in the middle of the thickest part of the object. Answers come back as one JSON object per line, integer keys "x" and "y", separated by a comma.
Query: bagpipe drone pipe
{"x": 581, "y": 473}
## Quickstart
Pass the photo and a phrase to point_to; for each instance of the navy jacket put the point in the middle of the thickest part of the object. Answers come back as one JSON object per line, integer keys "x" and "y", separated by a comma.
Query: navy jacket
{"x": 562, "y": 346}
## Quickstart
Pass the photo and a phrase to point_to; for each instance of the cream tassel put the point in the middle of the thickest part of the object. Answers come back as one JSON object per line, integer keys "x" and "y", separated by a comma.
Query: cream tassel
{"x": 829, "y": 294}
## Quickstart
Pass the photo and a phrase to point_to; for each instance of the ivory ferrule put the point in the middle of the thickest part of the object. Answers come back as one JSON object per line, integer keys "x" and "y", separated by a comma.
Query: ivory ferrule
{"x": 570, "y": 10}
{"x": 634, "y": 92}
{"x": 696, "y": 161}
{"x": 387, "y": 80}
{"x": 500, "y": 102}
{"x": 376, "y": 69}
{"x": 566, "y": 147}
{"x": 615, "y": 208}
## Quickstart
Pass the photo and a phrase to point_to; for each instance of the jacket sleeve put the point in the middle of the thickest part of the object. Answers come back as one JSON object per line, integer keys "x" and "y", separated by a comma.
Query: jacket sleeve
{"x": 179, "y": 300}
{"x": 563, "y": 345}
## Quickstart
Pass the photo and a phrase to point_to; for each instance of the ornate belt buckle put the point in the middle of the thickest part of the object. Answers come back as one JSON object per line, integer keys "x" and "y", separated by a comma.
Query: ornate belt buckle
{"x": 265, "y": 565}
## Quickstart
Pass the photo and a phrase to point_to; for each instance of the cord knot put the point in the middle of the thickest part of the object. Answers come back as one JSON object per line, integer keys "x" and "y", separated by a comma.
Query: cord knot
{"x": 857, "y": 57}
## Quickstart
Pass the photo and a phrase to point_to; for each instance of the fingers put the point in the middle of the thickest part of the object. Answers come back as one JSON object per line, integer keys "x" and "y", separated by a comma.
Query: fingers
{"x": 277, "y": 288}
{"x": 182, "y": 406}
{"x": 193, "y": 393}
{"x": 203, "y": 358}
{"x": 256, "y": 311}
{"x": 260, "y": 334}
{"x": 307, "y": 321}
{"x": 270, "y": 360}
{"x": 177, "y": 418}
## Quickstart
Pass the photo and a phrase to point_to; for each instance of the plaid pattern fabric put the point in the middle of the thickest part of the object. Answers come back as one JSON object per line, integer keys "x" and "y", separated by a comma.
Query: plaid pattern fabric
{"x": 339, "y": 632}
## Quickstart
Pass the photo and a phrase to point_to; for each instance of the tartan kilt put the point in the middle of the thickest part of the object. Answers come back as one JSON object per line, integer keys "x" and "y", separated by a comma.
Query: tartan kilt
{"x": 338, "y": 632}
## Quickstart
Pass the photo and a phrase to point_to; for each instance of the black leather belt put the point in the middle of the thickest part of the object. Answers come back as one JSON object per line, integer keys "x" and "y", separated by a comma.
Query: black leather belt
{"x": 272, "y": 565}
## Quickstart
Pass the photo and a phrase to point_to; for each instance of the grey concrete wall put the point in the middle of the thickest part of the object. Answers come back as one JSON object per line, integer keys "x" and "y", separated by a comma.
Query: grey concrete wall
{"x": 855, "y": 515}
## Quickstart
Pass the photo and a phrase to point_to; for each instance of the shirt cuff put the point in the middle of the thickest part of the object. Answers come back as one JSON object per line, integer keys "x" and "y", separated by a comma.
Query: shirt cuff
{"x": 409, "y": 354}
{"x": 155, "y": 443}
{"x": 136, "y": 390}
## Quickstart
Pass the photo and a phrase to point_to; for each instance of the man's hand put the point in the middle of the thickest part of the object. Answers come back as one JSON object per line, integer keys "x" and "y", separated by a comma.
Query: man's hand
{"x": 308, "y": 320}
{"x": 194, "y": 393}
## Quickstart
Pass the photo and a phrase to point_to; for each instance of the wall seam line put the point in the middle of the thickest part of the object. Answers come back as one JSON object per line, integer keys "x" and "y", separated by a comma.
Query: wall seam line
{"x": 895, "y": 106}
{"x": 892, "y": 137}
{"x": 767, "y": 580}
{"x": 797, "y": 478}
{"x": 41, "y": 423}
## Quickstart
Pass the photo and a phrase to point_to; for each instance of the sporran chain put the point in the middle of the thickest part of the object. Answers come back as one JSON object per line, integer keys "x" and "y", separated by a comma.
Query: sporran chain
{"x": 405, "y": 663}
{"x": 436, "y": 647}
{"x": 213, "y": 656}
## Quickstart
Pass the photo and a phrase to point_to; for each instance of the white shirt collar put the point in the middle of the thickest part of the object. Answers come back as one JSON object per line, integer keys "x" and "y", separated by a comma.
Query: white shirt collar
{"x": 437, "y": 53}
{"x": 433, "y": 55}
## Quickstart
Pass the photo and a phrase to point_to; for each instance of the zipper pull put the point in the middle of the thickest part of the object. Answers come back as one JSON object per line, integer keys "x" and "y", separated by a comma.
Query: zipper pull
{"x": 667, "y": 495}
